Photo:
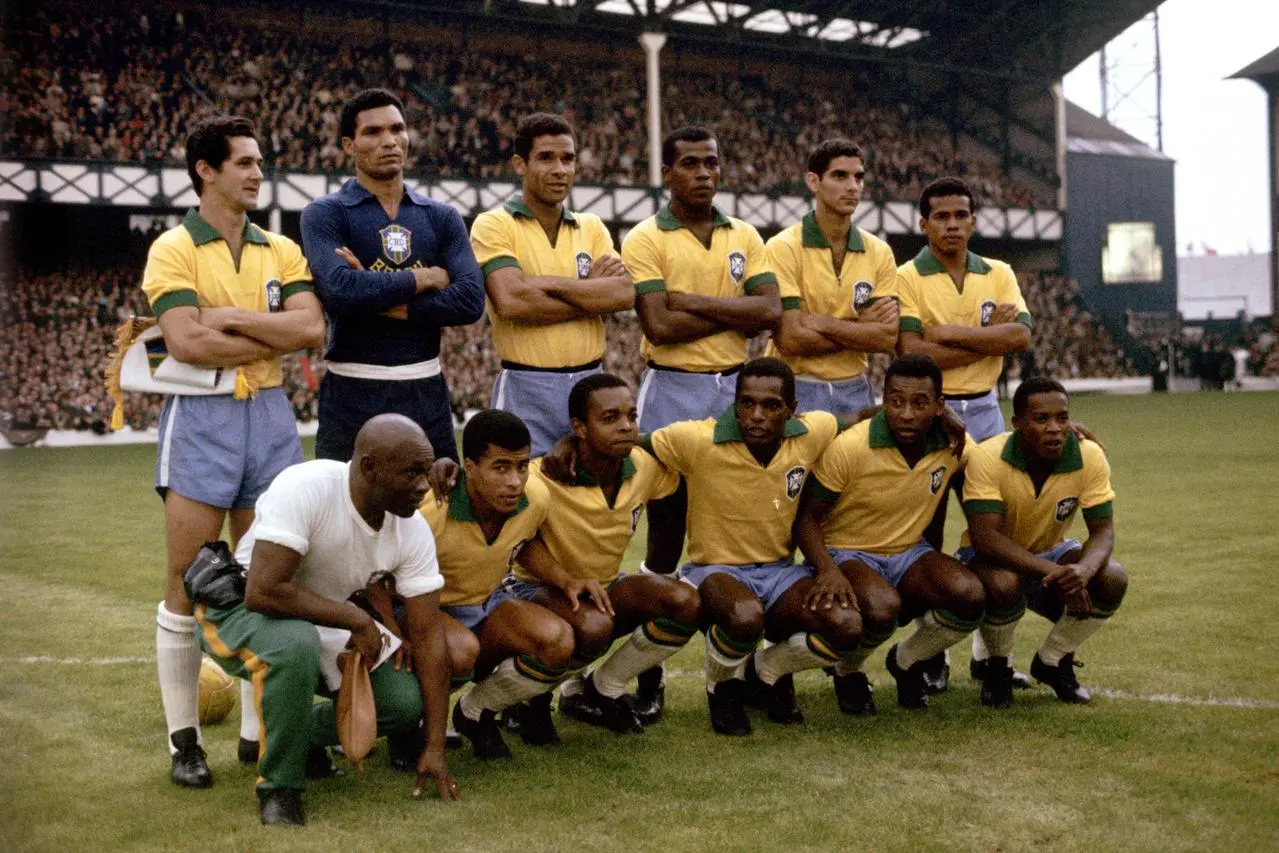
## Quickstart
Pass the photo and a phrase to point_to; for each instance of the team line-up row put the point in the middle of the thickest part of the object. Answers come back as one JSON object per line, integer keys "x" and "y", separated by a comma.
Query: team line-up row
{"x": 742, "y": 460}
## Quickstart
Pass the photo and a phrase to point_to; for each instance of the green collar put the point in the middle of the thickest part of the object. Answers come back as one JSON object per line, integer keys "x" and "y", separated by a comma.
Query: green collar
{"x": 517, "y": 207}
{"x": 585, "y": 479}
{"x": 815, "y": 239}
{"x": 460, "y": 508}
{"x": 927, "y": 264}
{"x": 202, "y": 232}
{"x": 728, "y": 429}
{"x": 881, "y": 436}
{"x": 667, "y": 221}
{"x": 1071, "y": 459}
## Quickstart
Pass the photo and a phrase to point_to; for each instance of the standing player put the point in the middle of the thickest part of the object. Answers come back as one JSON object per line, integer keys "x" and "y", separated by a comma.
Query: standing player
{"x": 324, "y": 530}
{"x": 861, "y": 526}
{"x": 551, "y": 276}
{"x": 745, "y": 471}
{"x": 834, "y": 279}
{"x": 1021, "y": 493}
{"x": 392, "y": 267}
{"x": 966, "y": 312}
{"x": 490, "y": 520}
{"x": 592, "y": 518}
{"x": 227, "y": 295}
{"x": 702, "y": 287}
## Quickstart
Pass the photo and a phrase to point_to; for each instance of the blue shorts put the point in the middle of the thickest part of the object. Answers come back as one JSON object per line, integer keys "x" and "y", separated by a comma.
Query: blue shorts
{"x": 982, "y": 415}
{"x": 471, "y": 615}
{"x": 522, "y": 590}
{"x": 540, "y": 398}
{"x": 667, "y": 396}
{"x": 225, "y": 452}
{"x": 891, "y": 568}
{"x": 347, "y": 403}
{"x": 768, "y": 581}
{"x": 1032, "y": 586}
{"x": 848, "y": 396}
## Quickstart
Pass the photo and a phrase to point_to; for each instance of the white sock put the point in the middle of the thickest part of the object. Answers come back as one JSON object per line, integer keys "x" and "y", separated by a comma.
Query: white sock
{"x": 249, "y": 722}
{"x": 1067, "y": 636}
{"x": 721, "y": 664}
{"x": 506, "y": 686}
{"x": 995, "y": 640}
{"x": 932, "y": 636}
{"x": 799, "y": 652}
{"x": 571, "y": 686}
{"x": 648, "y": 645}
{"x": 177, "y": 658}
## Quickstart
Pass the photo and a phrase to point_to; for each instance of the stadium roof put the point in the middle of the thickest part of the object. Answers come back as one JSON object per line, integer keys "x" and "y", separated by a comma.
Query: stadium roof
{"x": 1025, "y": 38}
{"x": 1265, "y": 70}
{"x": 1090, "y": 134}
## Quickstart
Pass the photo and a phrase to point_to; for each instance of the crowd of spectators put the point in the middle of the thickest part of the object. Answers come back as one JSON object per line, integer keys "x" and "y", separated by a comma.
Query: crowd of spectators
{"x": 124, "y": 89}
{"x": 57, "y": 331}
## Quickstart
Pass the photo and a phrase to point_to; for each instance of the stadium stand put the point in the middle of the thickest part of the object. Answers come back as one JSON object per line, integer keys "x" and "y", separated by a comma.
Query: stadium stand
{"x": 56, "y": 330}
{"x": 121, "y": 89}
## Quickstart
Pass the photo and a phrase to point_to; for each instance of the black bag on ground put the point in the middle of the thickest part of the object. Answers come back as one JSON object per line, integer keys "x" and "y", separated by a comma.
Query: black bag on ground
{"x": 214, "y": 577}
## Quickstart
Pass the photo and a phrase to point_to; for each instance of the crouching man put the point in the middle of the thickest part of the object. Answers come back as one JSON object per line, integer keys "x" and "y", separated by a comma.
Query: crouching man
{"x": 325, "y": 529}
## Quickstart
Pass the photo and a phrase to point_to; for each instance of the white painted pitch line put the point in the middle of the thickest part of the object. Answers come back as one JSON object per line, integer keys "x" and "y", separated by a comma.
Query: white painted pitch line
{"x": 1119, "y": 695}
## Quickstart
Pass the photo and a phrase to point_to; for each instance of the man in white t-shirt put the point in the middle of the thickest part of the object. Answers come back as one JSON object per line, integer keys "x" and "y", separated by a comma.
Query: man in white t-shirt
{"x": 325, "y": 529}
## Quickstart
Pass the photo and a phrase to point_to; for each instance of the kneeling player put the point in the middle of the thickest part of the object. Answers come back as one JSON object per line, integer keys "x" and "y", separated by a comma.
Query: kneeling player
{"x": 861, "y": 526}
{"x": 593, "y": 516}
{"x": 323, "y": 530}
{"x": 745, "y": 471}
{"x": 490, "y": 515}
{"x": 1021, "y": 495}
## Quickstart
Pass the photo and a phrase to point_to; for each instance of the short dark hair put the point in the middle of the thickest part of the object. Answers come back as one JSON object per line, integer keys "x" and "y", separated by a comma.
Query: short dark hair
{"x": 688, "y": 133}
{"x": 770, "y": 367}
{"x": 914, "y": 365}
{"x": 210, "y": 141}
{"x": 367, "y": 99}
{"x": 941, "y": 188}
{"x": 493, "y": 426}
{"x": 1035, "y": 385}
{"x": 538, "y": 124}
{"x": 579, "y": 399}
{"x": 827, "y": 150}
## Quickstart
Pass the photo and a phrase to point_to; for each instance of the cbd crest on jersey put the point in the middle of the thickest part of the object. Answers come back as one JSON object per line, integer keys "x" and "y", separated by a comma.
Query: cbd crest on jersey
{"x": 935, "y": 479}
{"x": 987, "y": 311}
{"x": 583, "y": 264}
{"x": 397, "y": 243}
{"x": 861, "y": 294}
{"x": 795, "y": 481}
{"x": 737, "y": 266}
{"x": 274, "y": 291}
{"x": 1065, "y": 507}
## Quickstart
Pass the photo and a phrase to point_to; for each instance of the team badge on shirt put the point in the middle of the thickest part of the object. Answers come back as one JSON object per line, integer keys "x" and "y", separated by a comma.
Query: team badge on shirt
{"x": 583, "y": 264}
{"x": 935, "y": 480}
{"x": 1065, "y": 507}
{"x": 861, "y": 294}
{"x": 515, "y": 552}
{"x": 274, "y": 302}
{"x": 795, "y": 481}
{"x": 987, "y": 311}
{"x": 397, "y": 243}
{"x": 737, "y": 266}
{"x": 635, "y": 516}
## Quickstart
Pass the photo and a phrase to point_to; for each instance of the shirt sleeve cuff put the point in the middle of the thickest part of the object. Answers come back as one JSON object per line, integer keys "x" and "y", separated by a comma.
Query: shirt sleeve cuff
{"x": 652, "y": 285}
{"x": 1024, "y": 319}
{"x": 979, "y": 507}
{"x": 286, "y": 538}
{"x": 1100, "y": 511}
{"x": 910, "y": 324}
{"x": 498, "y": 263}
{"x": 420, "y": 584}
{"x": 791, "y": 303}
{"x": 820, "y": 490}
{"x": 757, "y": 281}
{"x": 295, "y": 287}
{"x": 175, "y": 299}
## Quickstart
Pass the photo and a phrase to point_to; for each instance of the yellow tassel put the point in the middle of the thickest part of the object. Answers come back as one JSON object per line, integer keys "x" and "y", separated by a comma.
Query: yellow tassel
{"x": 243, "y": 390}
{"x": 125, "y": 335}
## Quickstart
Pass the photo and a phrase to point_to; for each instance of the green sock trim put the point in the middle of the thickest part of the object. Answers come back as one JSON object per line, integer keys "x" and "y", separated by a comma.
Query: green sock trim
{"x": 667, "y": 632}
{"x": 727, "y": 646}
{"x": 949, "y": 620}
{"x": 531, "y": 668}
{"x": 1006, "y": 617}
{"x": 825, "y": 649}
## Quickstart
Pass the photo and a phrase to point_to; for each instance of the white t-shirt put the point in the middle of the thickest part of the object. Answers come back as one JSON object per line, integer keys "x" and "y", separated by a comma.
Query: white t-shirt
{"x": 308, "y": 509}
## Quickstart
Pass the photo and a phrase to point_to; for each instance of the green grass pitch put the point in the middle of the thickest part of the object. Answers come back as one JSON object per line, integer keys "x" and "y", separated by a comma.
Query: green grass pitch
{"x": 1179, "y": 750}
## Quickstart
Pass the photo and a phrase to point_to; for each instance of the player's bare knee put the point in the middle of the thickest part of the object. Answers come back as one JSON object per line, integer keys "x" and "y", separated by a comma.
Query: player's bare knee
{"x": 744, "y": 619}
{"x": 965, "y": 596}
{"x": 1110, "y": 585}
{"x": 843, "y": 627}
{"x": 681, "y": 603}
{"x": 593, "y": 631}
{"x": 464, "y": 650}
{"x": 1003, "y": 589}
{"x": 880, "y": 610}
{"x": 555, "y": 643}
